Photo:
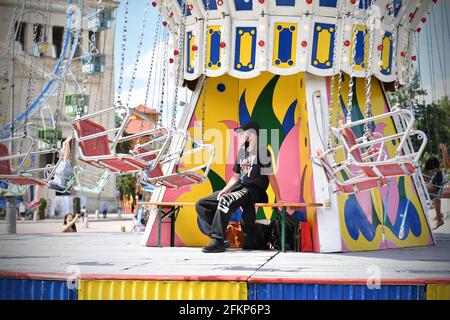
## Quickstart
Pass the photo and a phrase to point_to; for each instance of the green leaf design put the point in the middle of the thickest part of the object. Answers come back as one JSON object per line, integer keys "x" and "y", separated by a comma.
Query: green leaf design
{"x": 263, "y": 113}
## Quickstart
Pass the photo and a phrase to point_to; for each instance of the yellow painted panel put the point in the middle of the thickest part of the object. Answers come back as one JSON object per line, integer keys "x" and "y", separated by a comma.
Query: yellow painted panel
{"x": 358, "y": 67}
{"x": 438, "y": 292}
{"x": 161, "y": 290}
{"x": 245, "y": 57}
{"x": 324, "y": 43}
{"x": 386, "y": 53}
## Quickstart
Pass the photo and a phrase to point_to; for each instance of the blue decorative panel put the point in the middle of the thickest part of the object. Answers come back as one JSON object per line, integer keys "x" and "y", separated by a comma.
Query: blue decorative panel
{"x": 364, "y": 4}
{"x": 26, "y": 289}
{"x": 212, "y": 4}
{"x": 323, "y": 43}
{"x": 245, "y": 49}
{"x": 285, "y": 45}
{"x": 183, "y": 7}
{"x": 243, "y": 5}
{"x": 285, "y": 3}
{"x": 291, "y": 291}
{"x": 328, "y": 3}
{"x": 189, "y": 67}
{"x": 214, "y": 48}
{"x": 397, "y": 6}
{"x": 360, "y": 48}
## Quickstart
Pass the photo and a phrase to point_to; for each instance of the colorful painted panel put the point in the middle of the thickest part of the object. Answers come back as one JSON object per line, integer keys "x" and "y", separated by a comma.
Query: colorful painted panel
{"x": 323, "y": 42}
{"x": 245, "y": 49}
{"x": 243, "y": 5}
{"x": 386, "y": 54}
{"x": 277, "y": 103}
{"x": 390, "y": 217}
{"x": 285, "y": 44}
{"x": 361, "y": 48}
{"x": 285, "y": 3}
{"x": 210, "y": 4}
{"x": 162, "y": 290}
{"x": 184, "y": 8}
{"x": 190, "y": 57}
{"x": 213, "y": 52}
{"x": 299, "y": 291}
{"x": 328, "y": 3}
{"x": 30, "y": 289}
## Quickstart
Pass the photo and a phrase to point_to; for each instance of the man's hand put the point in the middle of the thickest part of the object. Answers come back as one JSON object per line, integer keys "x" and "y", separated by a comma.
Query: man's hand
{"x": 221, "y": 194}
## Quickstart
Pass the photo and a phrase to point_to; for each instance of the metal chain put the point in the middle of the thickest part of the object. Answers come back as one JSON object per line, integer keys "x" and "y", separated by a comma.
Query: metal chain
{"x": 122, "y": 54}
{"x": 370, "y": 20}
{"x": 352, "y": 65}
{"x": 138, "y": 53}
{"x": 164, "y": 71}
{"x": 180, "y": 66}
{"x": 205, "y": 66}
{"x": 152, "y": 61}
{"x": 332, "y": 80}
{"x": 11, "y": 41}
{"x": 31, "y": 77}
{"x": 394, "y": 45}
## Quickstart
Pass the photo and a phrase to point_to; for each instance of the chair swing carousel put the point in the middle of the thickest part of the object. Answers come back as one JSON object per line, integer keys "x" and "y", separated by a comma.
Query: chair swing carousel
{"x": 159, "y": 153}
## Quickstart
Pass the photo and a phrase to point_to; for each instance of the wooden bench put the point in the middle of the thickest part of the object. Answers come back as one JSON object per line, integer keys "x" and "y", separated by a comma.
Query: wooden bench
{"x": 167, "y": 210}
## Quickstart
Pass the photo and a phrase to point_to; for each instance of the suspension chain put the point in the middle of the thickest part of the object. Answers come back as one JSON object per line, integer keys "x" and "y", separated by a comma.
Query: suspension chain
{"x": 370, "y": 19}
{"x": 181, "y": 40}
{"x": 122, "y": 54}
{"x": 152, "y": 61}
{"x": 332, "y": 80}
{"x": 138, "y": 53}
{"x": 205, "y": 66}
{"x": 352, "y": 64}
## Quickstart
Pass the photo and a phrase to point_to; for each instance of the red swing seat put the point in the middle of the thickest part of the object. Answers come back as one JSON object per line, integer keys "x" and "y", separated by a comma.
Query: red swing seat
{"x": 6, "y": 172}
{"x": 352, "y": 185}
{"x": 99, "y": 148}
{"x": 172, "y": 181}
{"x": 375, "y": 169}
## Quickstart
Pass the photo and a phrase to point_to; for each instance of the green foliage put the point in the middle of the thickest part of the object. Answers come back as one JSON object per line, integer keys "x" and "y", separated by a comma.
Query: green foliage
{"x": 123, "y": 147}
{"x": 126, "y": 185}
{"x": 43, "y": 204}
{"x": 431, "y": 118}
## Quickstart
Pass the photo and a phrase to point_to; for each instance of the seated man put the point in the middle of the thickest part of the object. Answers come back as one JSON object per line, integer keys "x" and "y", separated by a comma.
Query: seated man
{"x": 63, "y": 174}
{"x": 252, "y": 174}
{"x": 435, "y": 188}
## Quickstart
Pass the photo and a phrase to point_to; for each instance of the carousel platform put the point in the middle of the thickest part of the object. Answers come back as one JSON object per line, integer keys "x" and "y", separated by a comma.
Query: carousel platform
{"x": 114, "y": 266}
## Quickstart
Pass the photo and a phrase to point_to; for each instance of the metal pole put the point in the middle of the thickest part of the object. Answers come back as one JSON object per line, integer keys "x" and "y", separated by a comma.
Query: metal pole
{"x": 11, "y": 214}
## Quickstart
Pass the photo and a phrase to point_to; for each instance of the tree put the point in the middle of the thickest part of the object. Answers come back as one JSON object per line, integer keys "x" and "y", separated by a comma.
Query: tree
{"x": 126, "y": 185}
{"x": 431, "y": 118}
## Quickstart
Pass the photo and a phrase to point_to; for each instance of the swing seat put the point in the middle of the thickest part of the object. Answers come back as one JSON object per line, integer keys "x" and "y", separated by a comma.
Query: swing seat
{"x": 6, "y": 172}
{"x": 353, "y": 185}
{"x": 96, "y": 151}
{"x": 379, "y": 169}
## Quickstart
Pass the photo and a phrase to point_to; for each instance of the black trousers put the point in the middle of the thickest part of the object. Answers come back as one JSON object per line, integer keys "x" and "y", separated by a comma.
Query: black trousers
{"x": 214, "y": 215}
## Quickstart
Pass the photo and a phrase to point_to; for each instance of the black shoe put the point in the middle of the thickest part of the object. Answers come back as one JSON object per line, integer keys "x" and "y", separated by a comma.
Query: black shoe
{"x": 214, "y": 246}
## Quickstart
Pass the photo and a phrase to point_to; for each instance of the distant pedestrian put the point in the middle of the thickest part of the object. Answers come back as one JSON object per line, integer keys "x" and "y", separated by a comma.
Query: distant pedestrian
{"x": 104, "y": 211}
{"x": 84, "y": 218}
{"x": 22, "y": 211}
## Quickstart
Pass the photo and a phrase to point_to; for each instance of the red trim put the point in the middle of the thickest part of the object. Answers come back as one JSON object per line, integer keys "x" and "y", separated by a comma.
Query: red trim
{"x": 131, "y": 277}
{"x": 355, "y": 281}
{"x": 65, "y": 276}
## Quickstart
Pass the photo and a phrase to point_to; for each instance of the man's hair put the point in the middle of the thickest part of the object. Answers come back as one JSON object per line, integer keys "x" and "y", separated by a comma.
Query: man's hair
{"x": 432, "y": 163}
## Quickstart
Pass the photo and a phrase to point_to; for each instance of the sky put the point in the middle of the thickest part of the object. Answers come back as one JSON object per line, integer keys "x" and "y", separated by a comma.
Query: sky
{"x": 433, "y": 44}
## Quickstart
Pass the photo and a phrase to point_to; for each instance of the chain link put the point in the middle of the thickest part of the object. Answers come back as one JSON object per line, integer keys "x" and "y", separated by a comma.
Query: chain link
{"x": 352, "y": 64}
{"x": 180, "y": 66}
{"x": 205, "y": 66}
{"x": 152, "y": 61}
{"x": 138, "y": 53}
{"x": 370, "y": 20}
{"x": 122, "y": 54}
